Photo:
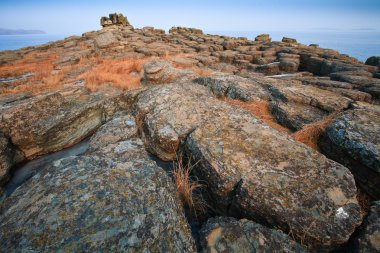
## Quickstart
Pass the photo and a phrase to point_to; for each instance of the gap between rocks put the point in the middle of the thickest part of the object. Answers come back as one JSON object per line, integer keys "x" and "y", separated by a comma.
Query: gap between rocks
{"x": 21, "y": 173}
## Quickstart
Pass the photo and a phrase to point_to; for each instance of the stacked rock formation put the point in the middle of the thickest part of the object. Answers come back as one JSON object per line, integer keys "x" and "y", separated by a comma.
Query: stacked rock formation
{"x": 114, "y": 19}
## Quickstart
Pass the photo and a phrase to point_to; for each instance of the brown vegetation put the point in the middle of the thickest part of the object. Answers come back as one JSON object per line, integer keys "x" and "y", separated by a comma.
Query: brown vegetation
{"x": 311, "y": 133}
{"x": 122, "y": 73}
{"x": 41, "y": 66}
{"x": 36, "y": 62}
{"x": 187, "y": 187}
{"x": 261, "y": 110}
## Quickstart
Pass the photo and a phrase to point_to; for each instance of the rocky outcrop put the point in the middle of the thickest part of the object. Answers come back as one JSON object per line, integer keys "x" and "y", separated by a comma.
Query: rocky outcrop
{"x": 114, "y": 19}
{"x": 295, "y": 105}
{"x": 255, "y": 171}
{"x": 230, "y": 235}
{"x": 295, "y": 115}
{"x": 234, "y": 87}
{"x": 185, "y": 30}
{"x": 289, "y": 40}
{"x": 373, "y": 61}
{"x": 9, "y": 156}
{"x": 160, "y": 71}
{"x": 239, "y": 156}
{"x": 115, "y": 196}
{"x": 120, "y": 128}
{"x": 98, "y": 202}
{"x": 368, "y": 237}
{"x": 353, "y": 140}
{"x": 106, "y": 40}
{"x": 374, "y": 90}
{"x": 263, "y": 38}
{"x": 51, "y": 122}
{"x": 166, "y": 114}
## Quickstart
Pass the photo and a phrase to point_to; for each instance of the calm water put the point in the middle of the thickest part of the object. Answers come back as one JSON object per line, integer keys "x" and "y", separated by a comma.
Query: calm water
{"x": 11, "y": 42}
{"x": 361, "y": 44}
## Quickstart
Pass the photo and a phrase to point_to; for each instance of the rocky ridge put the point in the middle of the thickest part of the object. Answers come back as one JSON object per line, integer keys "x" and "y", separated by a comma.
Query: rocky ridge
{"x": 262, "y": 184}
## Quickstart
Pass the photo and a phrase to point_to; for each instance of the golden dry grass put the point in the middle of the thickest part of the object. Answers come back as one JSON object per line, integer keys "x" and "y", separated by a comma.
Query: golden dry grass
{"x": 311, "y": 133}
{"x": 36, "y": 62}
{"x": 41, "y": 66}
{"x": 261, "y": 110}
{"x": 121, "y": 73}
{"x": 187, "y": 187}
{"x": 48, "y": 82}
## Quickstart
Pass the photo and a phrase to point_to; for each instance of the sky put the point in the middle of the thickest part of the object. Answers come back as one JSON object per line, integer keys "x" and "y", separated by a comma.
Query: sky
{"x": 79, "y": 16}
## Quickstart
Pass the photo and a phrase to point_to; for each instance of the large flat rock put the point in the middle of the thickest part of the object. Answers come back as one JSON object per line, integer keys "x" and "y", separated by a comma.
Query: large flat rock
{"x": 257, "y": 172}
{"x": 309, "y": 95}
{"x": 295, "y": 115}
{"x": 166, "y": 114}
{"x": 107, "y": 200}
{"x": 354, "y": 140}
{"x": 51, "y": 122}
{"x": 161, "y": 71}
{"x": 295, "y": 105}
{"x": 234, "y": 87}
{"x": 251, "y": 169}
{"x": 105, "y": 40}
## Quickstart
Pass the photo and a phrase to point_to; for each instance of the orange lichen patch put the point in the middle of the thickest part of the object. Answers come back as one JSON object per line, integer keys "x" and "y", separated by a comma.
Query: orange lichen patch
{"x": 261, "y": 110}
{"x": 121, "y": 73}
{"x": 311, "y": 133}
{"x": 213, "y": 237}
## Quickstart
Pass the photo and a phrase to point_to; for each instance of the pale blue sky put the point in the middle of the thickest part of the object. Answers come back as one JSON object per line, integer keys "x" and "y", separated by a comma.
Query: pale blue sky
{"x": 76, "y": 17}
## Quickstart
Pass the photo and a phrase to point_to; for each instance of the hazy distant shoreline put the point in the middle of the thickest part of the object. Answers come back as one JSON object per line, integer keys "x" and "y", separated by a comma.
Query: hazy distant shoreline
{"x": 4, "y": 31}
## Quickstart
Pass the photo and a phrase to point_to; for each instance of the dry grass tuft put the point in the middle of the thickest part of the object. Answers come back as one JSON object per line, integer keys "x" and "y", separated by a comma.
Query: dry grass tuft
{"x": 41, "y": 65}
{"x": 36, "y": 62}
{"x": 188, "y": 188}
{"x": 121, "y": 73}
{"x": 311, "y": 133}
{"x": 261, "y": 110}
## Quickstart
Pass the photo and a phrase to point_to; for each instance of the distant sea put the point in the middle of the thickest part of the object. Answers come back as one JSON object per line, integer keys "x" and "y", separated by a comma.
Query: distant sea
{"x": 12, "y": 42}
{"x": 359, "y": 44}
